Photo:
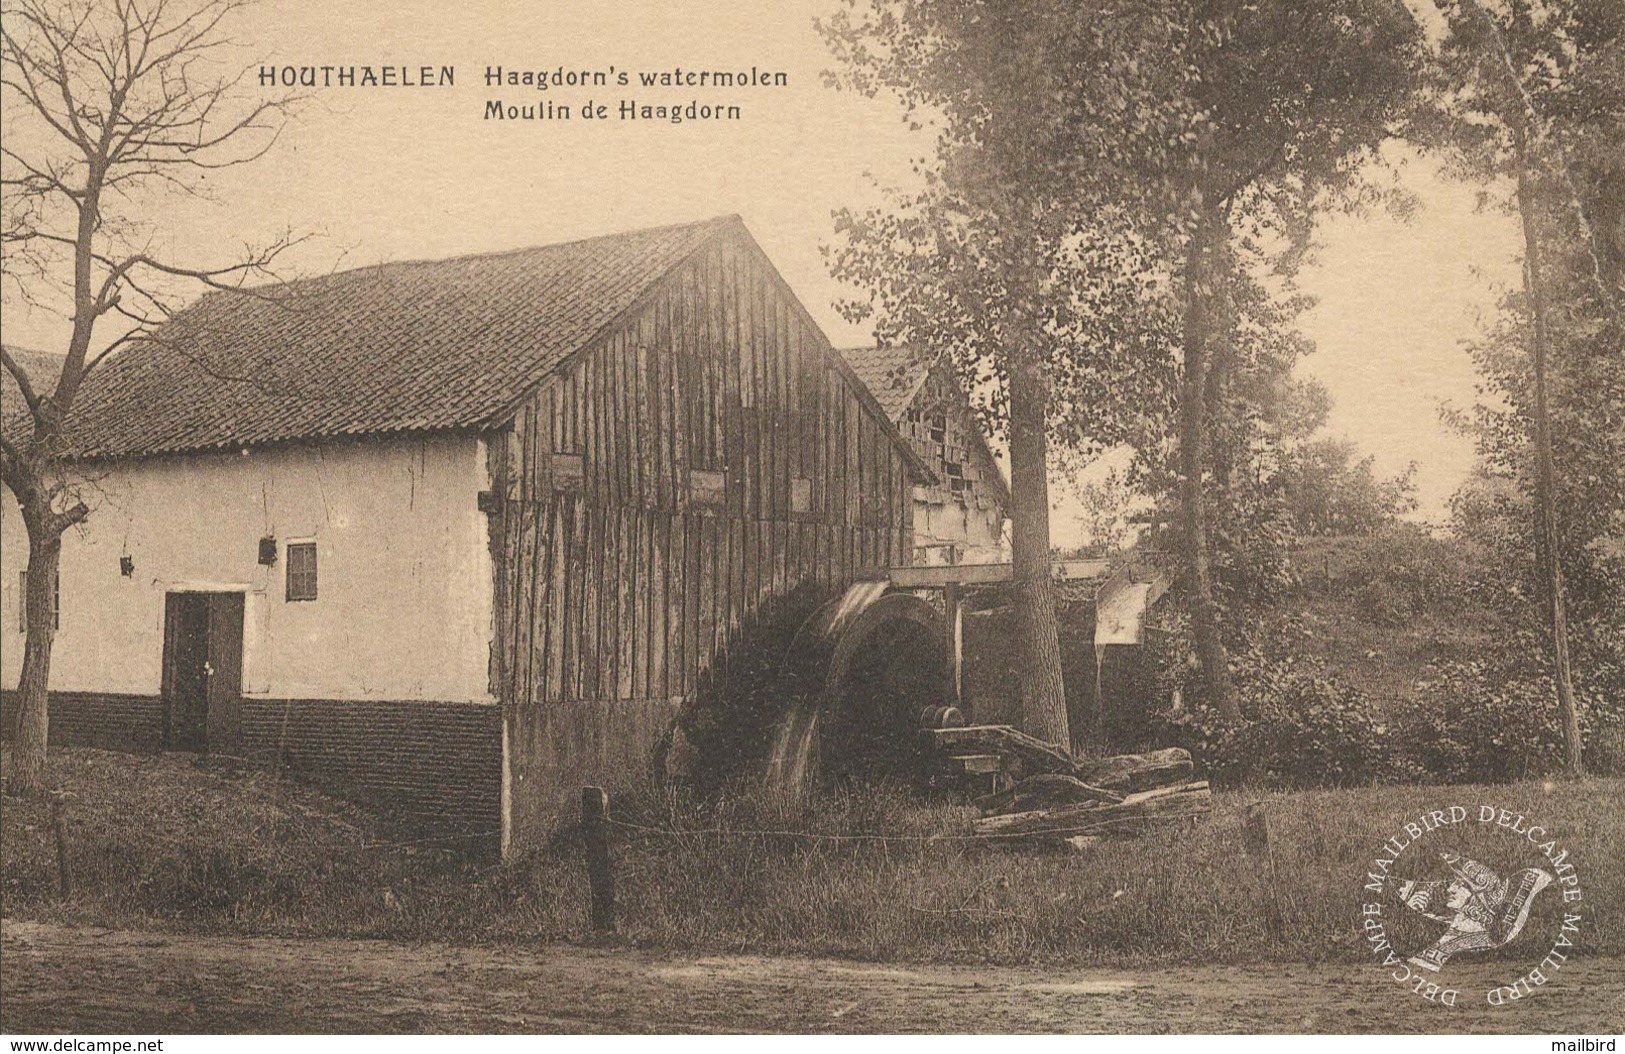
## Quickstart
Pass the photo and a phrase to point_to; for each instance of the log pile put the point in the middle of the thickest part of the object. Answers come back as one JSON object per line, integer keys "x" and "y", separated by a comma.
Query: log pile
{"x": 1051, "y": 796}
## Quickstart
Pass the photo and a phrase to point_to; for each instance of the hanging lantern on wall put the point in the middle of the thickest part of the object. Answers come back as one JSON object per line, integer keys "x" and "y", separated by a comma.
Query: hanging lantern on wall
{"x": 126, "y": 565}
{"x": 268, "y": 550}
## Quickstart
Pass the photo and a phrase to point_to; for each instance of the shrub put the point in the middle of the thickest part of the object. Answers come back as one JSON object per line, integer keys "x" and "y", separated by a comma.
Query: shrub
{"x": 1384, "y": 603}
{"x": 1483, "y": 722}
{"x": 1299, "y": 728}
{"x": 1391, "y": 577}
{"x": 1462, "y": 728}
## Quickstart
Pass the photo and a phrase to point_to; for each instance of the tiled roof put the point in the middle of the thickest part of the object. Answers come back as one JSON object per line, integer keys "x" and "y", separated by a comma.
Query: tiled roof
{"x": 42, "y": 368}
{"x": 893, "y": 375}
{"x": 400, "y": 347}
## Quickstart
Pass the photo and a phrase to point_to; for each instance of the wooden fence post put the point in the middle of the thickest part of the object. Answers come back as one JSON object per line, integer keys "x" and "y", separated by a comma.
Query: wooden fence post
{"x": 1257, "y": 842}
{"x": 59, "y": 827}
{"x": 595, "y": 841}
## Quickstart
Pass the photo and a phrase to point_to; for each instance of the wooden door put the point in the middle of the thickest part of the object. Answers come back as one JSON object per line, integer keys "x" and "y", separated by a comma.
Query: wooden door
{"x": 185, "y": 677}
{"x": 203, "y": 671}
{"x": 224, "y": 669}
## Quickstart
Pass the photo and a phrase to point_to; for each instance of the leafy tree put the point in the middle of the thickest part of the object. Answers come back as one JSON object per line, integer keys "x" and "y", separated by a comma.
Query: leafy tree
{"x": 1259, "y": 416}
{"x": 1023, "y": 256}
{"x": 107, "y": 104}
{"x": 1330, "y": 491}
{"x": 1537, "y": 100}
{"x": 1295, "y": 97}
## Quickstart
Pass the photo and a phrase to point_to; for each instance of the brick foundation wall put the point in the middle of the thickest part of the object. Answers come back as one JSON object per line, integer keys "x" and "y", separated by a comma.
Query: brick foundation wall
{"x": 105, "y": 720}
{"x": 438, "y": 766}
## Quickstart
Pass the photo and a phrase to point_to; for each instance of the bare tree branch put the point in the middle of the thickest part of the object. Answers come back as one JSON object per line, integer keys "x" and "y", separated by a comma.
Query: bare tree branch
{"x": 127, "y": 97}
{"x": 135, "y": 335}
{"x": 24, "y": 385}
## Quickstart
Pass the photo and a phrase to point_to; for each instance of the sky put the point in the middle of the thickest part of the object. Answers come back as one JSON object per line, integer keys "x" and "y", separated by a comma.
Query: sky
{"x": 396, "y": 173}
{"x": 1396, "y": 301}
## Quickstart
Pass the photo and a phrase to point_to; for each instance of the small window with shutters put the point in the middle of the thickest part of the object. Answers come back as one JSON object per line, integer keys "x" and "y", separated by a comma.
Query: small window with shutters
{"x": 301, "y": 571}
{"x": 569, "y": 471}
{"x": 706, "y": 487}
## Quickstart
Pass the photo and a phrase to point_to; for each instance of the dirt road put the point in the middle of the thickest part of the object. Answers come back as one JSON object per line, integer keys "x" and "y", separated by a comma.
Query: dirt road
{"x": 62, "y": 980}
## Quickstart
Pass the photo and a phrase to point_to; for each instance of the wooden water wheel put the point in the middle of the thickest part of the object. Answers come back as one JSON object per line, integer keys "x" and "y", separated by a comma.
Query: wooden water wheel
{"x": 862, "y": 670}
{"x": 887, "y": 668}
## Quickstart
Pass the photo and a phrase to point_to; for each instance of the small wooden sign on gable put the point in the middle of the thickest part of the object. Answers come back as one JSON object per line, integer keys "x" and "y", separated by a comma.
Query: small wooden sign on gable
{"x": 569, "y": 471}
{"x": 801, "y": 495}
{"x": 707, "y": 487}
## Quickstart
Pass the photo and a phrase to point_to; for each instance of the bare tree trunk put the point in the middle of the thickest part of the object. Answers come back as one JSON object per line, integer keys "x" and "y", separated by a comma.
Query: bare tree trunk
{"x": 1043, "y": 694}
{"x": 1200, "y": 269}
{"x": 31, "y": 732}
{"x": 118, "y": 85}
{"x": 1546, "y": 480}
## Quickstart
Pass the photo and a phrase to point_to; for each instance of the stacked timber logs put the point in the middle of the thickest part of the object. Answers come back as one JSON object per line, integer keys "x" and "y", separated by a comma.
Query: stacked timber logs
{"x": 1053, "y": 796}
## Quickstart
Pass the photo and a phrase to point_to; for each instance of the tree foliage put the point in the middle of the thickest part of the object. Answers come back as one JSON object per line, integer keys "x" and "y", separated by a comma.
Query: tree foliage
{"x": 1296, "y": 97}
{"x": 1569, "y": 57}
{"x": 1027, "y": 237}
{"x": 1330, "y": 489}
{"x": 1535, "y": 101}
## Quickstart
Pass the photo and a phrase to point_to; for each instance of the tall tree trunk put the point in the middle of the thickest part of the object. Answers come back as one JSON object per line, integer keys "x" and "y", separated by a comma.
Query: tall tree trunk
{"x": 31, "y": 731}
{"x": 1546, "y": 476}
{"x": 1200, "y": 274}
{"x": 1043, "y": 695}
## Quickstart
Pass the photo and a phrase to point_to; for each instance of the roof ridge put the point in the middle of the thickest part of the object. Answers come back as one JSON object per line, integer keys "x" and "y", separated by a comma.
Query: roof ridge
{"x": 489, "y": 254}
{"x": 927, "y": 360}
{"x": 493, "y": 253}
{"x": 26, "y": 349}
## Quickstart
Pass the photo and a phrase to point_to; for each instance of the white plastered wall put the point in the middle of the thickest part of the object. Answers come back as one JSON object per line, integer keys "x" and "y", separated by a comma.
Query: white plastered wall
{"x": 404, "y": 598}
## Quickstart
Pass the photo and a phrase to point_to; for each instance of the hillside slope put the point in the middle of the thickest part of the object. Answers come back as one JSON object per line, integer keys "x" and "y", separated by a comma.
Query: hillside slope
{"x": 1381, "y": 613}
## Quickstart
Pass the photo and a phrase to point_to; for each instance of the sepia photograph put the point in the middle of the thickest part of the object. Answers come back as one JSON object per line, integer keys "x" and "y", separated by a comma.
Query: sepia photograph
{"x": 864, "y": 517}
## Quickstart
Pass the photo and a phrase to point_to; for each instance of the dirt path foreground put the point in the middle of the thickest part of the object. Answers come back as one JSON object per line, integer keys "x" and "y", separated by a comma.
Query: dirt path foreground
{"x": 71, "y": 980}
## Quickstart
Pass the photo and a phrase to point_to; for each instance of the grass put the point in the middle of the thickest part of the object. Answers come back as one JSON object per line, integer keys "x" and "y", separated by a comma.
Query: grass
{"x": 179, "y": 843}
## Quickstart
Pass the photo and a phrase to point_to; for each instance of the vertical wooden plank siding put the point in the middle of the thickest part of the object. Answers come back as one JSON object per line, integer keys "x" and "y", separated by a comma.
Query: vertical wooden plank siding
{"x": 617, "y": 581}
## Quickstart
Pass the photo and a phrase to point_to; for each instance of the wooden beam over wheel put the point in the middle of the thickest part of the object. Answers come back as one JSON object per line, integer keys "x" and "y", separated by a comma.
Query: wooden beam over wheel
{"x": 987, "y": 574}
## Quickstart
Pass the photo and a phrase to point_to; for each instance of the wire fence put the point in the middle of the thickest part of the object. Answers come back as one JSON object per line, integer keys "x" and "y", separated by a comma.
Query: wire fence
{"x": 648, "y": 830}
{"x": 1097, "y": 827}
{"x": 436, "y": 840}
{"x": 814, "y": 836}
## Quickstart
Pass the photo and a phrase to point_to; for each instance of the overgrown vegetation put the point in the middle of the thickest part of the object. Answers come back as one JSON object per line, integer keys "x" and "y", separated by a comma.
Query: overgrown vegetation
{"x": 171, "y": 843}
{"x": 1390, "y": 656}
{"x": 1298, "y": 728}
